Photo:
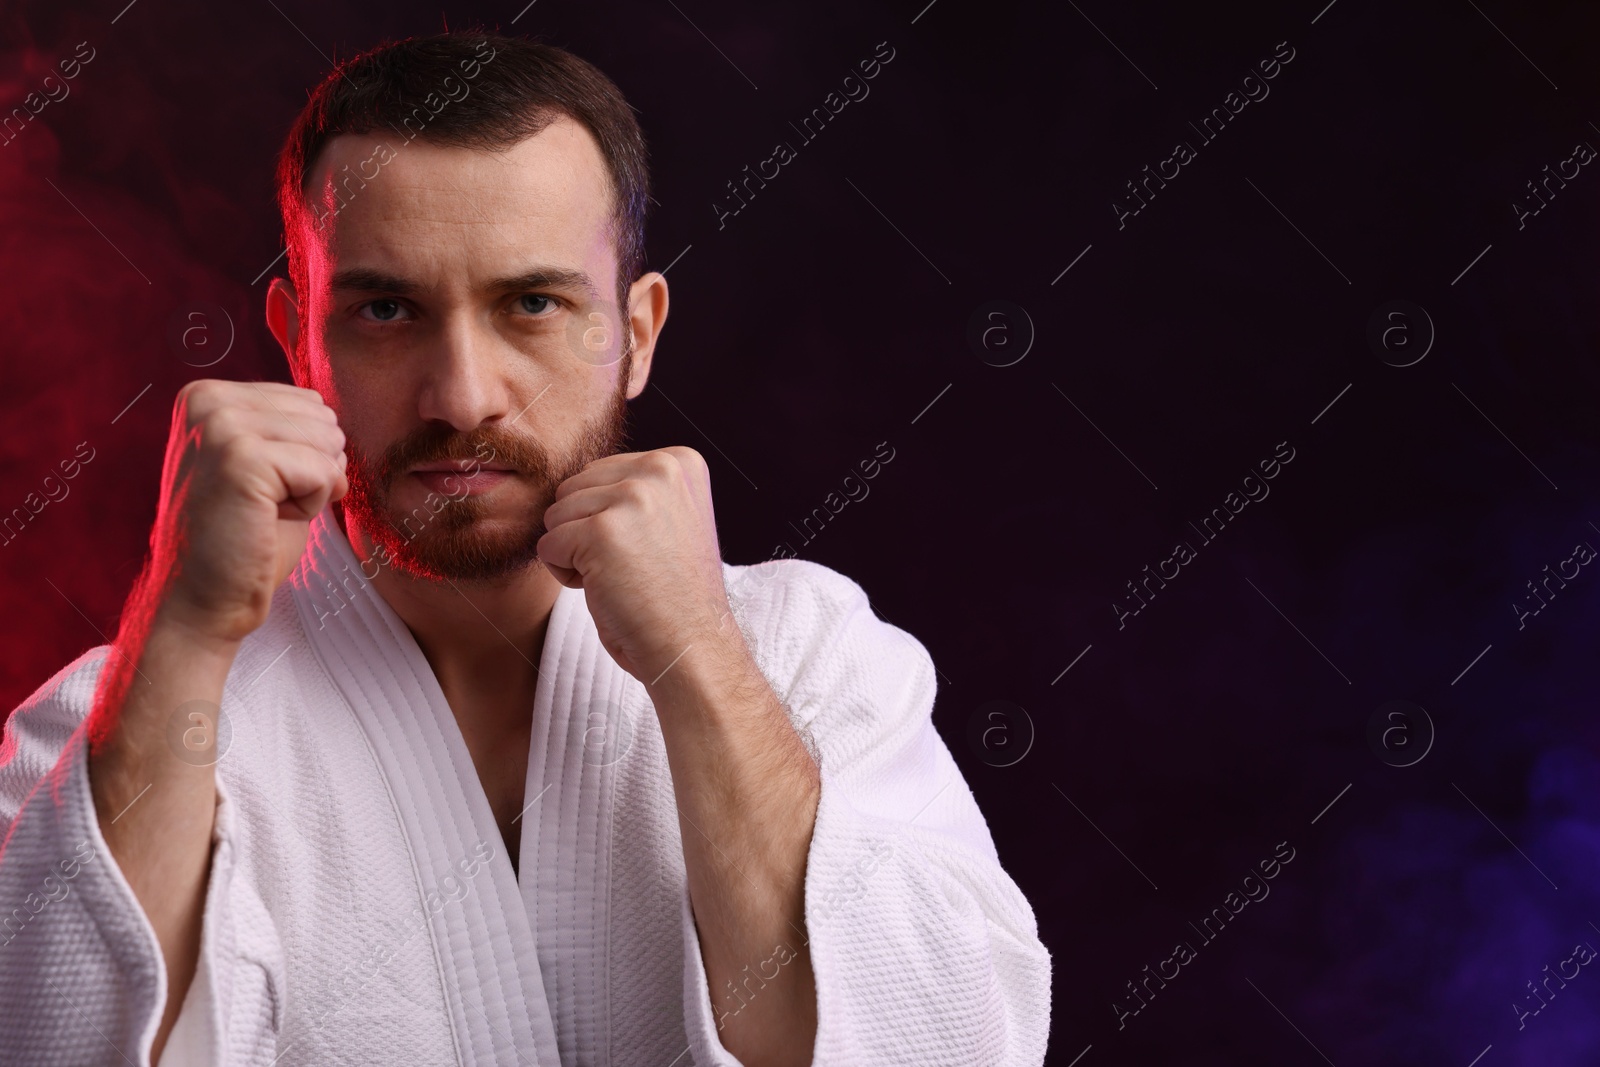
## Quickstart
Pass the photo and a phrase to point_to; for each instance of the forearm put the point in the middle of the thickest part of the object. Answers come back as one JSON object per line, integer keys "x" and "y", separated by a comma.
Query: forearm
{"x": 152, "y": 774}
{"x": 747, "y": 793}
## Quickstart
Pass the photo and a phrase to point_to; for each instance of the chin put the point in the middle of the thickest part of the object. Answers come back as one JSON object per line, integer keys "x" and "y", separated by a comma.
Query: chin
{"x": 471, "y": 539}
{"x": 468, "y": 556}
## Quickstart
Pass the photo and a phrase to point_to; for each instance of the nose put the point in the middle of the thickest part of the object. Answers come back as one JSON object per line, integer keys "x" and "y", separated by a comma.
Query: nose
{"x": 464, "y": 384}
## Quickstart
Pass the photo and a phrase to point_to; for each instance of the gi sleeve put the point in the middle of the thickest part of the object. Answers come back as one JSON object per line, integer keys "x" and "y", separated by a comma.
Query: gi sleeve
{"x": 924, "y": 950}
{"x": 82, "y": 978}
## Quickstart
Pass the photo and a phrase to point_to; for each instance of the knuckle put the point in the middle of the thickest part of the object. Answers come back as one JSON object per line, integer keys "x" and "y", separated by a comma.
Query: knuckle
{"x": 688, "y": 457}
{"x": 196, "y": 387}
{"x": 196, "y": 398}
{"x": 635, "y": 491}
{"x": 220, "y": 426}
{"x": 236, "y": 455}
{"x": 234, "y": 448}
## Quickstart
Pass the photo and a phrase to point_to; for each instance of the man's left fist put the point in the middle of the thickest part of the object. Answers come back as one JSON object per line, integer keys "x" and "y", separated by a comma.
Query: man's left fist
{"x": 637, "y": 533}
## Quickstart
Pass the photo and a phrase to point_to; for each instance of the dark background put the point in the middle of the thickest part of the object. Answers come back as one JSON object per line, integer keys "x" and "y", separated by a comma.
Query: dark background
{"x": 826, "y": 317}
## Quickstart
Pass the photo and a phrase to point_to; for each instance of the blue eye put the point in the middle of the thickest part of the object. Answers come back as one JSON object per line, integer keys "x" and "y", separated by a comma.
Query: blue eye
{"x": 382, "y": 310}
{"x": 523, "y": 302}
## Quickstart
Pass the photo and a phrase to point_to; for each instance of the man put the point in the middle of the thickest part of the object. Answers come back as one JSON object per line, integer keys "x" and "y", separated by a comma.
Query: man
{"x": 436, "y": 729}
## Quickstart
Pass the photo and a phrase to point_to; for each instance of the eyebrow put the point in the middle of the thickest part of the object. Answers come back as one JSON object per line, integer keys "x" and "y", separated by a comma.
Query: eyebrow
{"x": 368, "y": 279}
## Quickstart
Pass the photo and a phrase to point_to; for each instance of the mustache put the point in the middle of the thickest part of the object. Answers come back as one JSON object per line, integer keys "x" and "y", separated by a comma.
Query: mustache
{"x": 373, "y": 475}
{"x": 486, "y": 444}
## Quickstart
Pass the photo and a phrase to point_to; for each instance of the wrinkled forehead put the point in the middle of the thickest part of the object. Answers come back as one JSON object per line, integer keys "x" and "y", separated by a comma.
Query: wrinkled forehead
{"x": 447, "y": 215}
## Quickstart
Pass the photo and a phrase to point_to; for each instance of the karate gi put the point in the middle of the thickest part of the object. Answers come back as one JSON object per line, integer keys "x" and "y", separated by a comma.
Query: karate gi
{"x": 360, "y": 907}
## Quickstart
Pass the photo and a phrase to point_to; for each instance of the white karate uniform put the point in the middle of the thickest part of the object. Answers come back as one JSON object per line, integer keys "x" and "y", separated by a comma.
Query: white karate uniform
{"x": 360, "y": 908}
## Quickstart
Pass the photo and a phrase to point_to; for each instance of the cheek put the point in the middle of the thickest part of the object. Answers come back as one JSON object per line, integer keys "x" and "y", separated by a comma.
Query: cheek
{"x": 375, "y": 399}
{"x": 365, "y": 439}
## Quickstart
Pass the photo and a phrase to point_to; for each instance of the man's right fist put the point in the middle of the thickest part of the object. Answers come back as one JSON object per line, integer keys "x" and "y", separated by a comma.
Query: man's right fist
{"x": 248, "y": 466}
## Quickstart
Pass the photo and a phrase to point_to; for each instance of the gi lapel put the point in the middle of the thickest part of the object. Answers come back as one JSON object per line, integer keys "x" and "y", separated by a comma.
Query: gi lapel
{"x": 483, "y": 938}
{"x": 586, "y": 718}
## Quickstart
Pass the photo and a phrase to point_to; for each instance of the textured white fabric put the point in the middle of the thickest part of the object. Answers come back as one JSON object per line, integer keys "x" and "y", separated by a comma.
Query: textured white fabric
{"x": 360, "y": 908}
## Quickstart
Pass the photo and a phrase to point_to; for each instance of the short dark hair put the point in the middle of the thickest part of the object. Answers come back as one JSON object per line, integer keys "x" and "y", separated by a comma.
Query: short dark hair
{"x": 514, "y": 88}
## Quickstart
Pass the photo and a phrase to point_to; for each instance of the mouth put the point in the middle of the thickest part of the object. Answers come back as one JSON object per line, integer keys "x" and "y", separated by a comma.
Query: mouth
{"x": 461, "y": 479}
{"x": 460, "y": 466}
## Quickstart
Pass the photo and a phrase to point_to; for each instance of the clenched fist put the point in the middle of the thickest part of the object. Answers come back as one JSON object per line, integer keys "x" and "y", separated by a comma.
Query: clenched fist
{"x": 637, "y": 533}
{"x": 248, "y": 466}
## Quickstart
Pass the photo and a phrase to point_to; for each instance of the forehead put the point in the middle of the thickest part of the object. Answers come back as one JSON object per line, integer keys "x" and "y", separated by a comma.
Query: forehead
{"x": 432, "y": 212}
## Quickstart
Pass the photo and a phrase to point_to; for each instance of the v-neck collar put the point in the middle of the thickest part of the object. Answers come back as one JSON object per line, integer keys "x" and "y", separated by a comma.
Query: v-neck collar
{"x": 372, "y": 657}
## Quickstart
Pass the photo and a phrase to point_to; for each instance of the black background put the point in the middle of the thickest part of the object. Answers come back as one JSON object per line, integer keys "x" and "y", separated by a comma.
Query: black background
{"x": 833, "y": 314}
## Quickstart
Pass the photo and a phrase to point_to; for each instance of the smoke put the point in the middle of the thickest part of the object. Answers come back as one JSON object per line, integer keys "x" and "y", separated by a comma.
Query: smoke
{"x": 114, "y": 298}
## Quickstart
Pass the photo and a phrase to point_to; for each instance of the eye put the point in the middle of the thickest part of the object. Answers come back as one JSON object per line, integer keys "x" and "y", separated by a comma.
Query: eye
{"x": 534, "y": 303}
{"x": 381, "y": 311}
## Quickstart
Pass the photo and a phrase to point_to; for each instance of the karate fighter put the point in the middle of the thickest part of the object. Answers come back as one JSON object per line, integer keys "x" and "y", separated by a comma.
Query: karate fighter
{"x": 436, "y": 730}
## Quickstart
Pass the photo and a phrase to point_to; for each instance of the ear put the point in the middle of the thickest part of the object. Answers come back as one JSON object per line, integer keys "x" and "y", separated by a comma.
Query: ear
{"x": 283, "y": 319}
{"x": 647, "y": 314}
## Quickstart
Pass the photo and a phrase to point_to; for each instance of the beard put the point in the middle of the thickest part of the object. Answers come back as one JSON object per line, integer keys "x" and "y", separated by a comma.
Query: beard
{"x": 466, "y": 538}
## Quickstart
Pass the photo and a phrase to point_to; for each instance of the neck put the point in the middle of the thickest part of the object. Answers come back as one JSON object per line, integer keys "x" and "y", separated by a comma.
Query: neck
{"x": 482, "y": 638}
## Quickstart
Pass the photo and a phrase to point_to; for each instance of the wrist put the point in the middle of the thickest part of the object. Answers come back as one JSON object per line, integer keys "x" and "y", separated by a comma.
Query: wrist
{"x": 173, "y": 627}
{"x": 711, "y": 660}
{"x": 165, "y": 666}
